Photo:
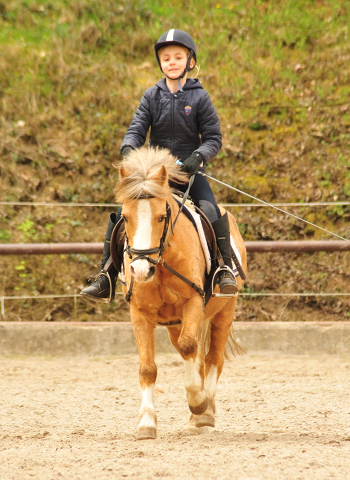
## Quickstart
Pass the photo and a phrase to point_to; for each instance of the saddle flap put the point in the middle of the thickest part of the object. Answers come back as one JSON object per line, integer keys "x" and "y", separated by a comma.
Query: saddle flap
{"x": 208, "y": 232}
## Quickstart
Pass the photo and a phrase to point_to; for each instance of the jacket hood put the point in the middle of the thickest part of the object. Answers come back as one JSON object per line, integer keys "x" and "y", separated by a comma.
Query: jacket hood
{"x": 190, "y": 84}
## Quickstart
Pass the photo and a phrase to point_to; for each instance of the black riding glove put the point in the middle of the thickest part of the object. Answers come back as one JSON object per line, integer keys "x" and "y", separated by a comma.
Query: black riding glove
{"x": 126, "y": 150}
{"x": 191, "y": 164}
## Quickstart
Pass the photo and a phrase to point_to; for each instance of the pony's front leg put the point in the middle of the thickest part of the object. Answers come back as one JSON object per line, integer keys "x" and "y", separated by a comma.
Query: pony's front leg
{"x": 144, "y": 335}
{"x": 186, "y": 343}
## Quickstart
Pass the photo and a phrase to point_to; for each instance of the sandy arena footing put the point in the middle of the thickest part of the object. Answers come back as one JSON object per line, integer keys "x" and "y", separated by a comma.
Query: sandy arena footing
{"x": 278, "y": 417}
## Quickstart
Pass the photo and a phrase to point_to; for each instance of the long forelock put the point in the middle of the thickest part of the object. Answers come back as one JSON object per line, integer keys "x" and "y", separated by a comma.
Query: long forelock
{"x": 141, "y": 165}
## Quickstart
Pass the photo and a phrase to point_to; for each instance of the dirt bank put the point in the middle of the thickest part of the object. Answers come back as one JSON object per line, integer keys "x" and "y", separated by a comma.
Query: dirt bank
{"x": 278, "y": 417}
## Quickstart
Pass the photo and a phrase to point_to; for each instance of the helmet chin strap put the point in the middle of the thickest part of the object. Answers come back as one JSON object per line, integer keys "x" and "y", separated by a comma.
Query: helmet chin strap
{"x": 179, "y": 84}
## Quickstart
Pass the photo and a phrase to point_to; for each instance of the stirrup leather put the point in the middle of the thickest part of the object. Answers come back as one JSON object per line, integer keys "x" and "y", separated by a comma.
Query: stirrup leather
{"x": 213, "y": 282}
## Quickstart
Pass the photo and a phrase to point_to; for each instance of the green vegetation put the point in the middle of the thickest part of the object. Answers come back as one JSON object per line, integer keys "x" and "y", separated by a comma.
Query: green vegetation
{"x": 72, "y": 74}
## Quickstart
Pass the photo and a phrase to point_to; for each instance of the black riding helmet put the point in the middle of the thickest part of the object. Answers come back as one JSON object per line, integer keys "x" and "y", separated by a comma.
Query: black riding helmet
{"x": 177, "y": 37}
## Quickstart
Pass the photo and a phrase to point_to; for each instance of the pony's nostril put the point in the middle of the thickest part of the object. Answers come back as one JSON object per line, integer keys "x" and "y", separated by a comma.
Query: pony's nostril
{"x": 132, "y": 270}
{"x": 151, "y": 272}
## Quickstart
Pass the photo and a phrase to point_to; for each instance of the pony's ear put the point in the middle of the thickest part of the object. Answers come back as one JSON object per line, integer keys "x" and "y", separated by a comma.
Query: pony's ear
{"x": 161, "y": 176}
{"x": 123, "y": 172}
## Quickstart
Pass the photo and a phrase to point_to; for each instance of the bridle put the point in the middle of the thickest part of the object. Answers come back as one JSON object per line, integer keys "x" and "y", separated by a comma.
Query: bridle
{"x": 144, "y": 254}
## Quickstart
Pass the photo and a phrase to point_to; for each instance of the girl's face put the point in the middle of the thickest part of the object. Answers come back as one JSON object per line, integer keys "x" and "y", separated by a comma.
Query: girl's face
{"x": 173, "y": 60}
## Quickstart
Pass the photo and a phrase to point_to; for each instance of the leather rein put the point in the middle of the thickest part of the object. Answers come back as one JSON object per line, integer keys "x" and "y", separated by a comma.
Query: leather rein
{"x": 144, "y": 254}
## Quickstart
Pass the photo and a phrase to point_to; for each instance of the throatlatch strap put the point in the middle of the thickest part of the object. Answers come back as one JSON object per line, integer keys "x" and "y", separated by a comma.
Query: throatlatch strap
{"x": 128, "y": 295}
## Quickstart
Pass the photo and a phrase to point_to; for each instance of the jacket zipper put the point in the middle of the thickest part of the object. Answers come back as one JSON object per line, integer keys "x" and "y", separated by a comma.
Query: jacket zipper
{"x": 172, "y": 122}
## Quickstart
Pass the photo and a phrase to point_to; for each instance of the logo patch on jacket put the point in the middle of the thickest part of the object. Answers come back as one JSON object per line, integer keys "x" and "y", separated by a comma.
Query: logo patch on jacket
{"x": 188, "y": 110}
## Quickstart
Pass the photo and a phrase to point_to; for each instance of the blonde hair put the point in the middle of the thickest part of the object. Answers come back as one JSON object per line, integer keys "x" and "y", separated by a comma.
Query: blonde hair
{"x": 195, "y": 72}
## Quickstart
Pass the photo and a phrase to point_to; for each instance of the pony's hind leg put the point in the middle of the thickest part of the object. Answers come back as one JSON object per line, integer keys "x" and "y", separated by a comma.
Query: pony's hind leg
{"x": 144, "y": 335}
{"x": 214, "y": 360}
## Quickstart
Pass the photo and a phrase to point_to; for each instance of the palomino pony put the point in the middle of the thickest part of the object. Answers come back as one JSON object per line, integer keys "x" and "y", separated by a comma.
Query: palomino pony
{"x": 161, "y": 298}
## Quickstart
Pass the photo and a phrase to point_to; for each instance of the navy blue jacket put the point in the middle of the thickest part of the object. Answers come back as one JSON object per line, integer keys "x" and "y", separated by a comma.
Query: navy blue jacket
{"x": 182, "y": 122}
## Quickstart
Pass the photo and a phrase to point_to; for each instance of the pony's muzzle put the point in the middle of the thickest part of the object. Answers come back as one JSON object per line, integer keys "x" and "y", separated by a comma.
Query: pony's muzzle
{"x": 141, "y": 270}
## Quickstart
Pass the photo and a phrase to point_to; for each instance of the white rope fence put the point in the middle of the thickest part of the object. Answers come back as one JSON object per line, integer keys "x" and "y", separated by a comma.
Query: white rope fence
{"x": 114, "y": 205}
{"x": 76, "y": 296}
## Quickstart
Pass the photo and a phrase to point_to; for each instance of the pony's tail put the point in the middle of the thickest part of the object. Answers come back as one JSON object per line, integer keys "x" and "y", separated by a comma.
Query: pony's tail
{"x": 232, "y": 347}
{"x": 204, "y": 336}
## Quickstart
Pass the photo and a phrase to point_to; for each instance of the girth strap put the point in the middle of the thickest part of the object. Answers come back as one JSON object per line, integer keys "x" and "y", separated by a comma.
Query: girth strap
{"x": 171, "y": 323}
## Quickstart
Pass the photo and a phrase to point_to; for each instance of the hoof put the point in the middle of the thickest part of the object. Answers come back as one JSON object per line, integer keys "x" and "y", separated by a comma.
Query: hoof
{"x": 145, "y": 433}
{"x": 190, "y": 431}
{"x": 205, "y": 421}
{"x": 191, "y": 423}
{"x": 201, "y": 408}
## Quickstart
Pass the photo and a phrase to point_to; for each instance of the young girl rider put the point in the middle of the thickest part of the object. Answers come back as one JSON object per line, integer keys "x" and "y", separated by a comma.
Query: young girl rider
{"x": 183, "y": 120}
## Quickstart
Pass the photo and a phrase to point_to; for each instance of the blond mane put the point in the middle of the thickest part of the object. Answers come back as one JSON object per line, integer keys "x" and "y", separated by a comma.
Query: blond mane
{"x": 141, "y": 165}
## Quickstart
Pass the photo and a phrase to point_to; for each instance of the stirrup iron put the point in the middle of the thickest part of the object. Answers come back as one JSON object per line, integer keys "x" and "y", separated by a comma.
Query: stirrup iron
{"x": 103, "y": 271}
{"x": 111, "y": 289}
{"x": 227, "y": 295}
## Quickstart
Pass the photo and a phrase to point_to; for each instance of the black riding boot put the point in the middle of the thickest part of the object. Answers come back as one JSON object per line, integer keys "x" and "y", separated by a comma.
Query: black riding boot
{"x": 100, "y": 290}
{"x": 226, "y": 279}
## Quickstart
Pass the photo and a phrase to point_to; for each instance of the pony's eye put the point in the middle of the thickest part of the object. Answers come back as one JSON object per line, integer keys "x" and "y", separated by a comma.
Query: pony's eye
{"x": 125, "y": 219}
{"x": 161, "y": 219}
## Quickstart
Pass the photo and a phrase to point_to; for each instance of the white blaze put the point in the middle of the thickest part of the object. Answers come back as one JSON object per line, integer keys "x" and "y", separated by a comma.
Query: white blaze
{"x": 142, "y": 239}
{"x": 143, "y": 236}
